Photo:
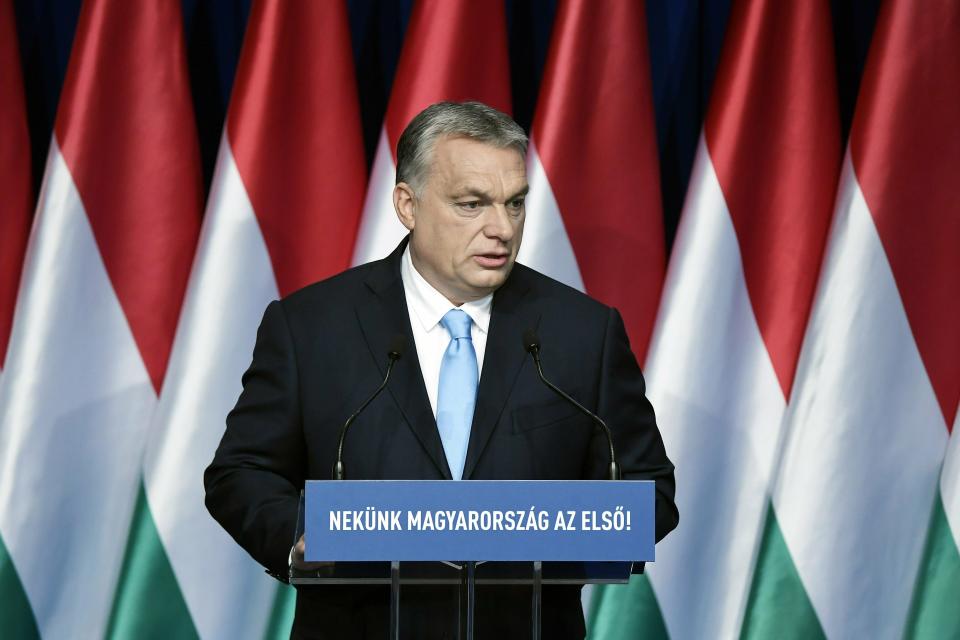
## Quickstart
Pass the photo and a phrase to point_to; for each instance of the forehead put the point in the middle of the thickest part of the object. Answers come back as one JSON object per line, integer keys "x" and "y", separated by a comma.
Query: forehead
{"x": 458, "y": 160}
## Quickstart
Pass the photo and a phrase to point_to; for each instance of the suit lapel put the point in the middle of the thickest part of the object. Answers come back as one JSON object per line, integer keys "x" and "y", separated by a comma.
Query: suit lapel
{"x": 382, "y": 315}
{"x": 510, "y": 317}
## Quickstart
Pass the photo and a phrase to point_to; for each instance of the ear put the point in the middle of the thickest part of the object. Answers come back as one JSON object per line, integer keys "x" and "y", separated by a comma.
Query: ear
{"x": 405, "y": 204}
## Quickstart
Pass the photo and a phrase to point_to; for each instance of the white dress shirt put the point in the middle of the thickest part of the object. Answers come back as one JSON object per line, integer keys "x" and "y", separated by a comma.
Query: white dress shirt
{"x": 427, "y": 306}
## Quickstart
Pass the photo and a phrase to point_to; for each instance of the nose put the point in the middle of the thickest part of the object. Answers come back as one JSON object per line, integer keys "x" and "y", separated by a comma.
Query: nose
{"x": 499, "y": 223}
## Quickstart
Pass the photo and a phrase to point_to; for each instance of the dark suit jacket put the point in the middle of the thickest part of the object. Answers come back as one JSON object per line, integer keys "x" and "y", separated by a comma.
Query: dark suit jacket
{"x": 322, "y": 350}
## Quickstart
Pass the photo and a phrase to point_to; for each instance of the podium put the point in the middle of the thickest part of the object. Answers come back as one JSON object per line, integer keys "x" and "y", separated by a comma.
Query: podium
{"x": 475, "y": 532}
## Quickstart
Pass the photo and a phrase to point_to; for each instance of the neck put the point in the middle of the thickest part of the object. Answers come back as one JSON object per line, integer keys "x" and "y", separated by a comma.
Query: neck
{"x": 454, "y": 299}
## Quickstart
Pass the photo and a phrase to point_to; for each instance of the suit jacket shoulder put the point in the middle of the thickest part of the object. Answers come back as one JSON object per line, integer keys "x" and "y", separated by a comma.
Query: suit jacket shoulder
{"x": 322, "y": 297}
{"x": 548, "y": 293}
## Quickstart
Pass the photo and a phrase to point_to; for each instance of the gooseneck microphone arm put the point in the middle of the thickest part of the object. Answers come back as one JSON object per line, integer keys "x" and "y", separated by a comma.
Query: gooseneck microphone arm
{"x": 531, "y": 343}
{"x": 396, "y": 351}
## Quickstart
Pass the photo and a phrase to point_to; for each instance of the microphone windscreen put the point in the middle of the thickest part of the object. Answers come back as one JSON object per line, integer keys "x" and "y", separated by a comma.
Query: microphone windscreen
{"x": 397, "y": 346}
{"x": 530, "y": 340}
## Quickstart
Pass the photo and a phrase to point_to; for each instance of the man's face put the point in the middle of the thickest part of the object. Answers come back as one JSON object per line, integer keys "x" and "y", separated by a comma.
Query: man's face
{"x": 467, "y": 221}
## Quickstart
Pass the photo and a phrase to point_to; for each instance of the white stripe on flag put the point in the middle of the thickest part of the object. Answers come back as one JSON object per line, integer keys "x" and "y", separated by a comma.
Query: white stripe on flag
{"x": 74, "y": 409}
{"x": 546, "y": 246}
{"x": 226, "y": 591}
{"x": 719, "y": 407}
{"x": 950, "y": 482}
{"x": 380, "y": 229}
{"x": 864, "y": 442}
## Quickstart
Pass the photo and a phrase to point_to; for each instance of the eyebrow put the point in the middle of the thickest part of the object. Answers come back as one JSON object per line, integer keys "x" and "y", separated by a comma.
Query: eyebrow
{"x": 483, "y": 195}
{"x": 520, "y": 193}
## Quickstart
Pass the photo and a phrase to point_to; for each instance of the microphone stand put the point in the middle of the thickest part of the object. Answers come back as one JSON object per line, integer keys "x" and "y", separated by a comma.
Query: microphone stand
{"x": 532, "y": 345}
{"x": 396, "y": 350}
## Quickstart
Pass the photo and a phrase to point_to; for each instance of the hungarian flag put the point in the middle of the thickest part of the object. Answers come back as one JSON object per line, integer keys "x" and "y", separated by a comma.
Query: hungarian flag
{"x": 104, "y": 278}
{"x": 283, "y": 213}
{"x": 440, "y": 60}
{"x": 594, "y": 218}
{"x": 735, "y": 304}
{"x": 14, "y": 226}
{"x": 869, "y": 515}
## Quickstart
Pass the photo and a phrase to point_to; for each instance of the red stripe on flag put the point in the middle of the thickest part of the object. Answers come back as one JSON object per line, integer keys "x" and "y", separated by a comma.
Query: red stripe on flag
{"x": 773, "y": 134}
{"x": 126, "y": 129}
{"x": 596, "y": 137}
{"x": 15, "y": 184}
{"x": 294, "y": 127}
{"x": 452, "y": 51}
{"x": 906, "y": 153}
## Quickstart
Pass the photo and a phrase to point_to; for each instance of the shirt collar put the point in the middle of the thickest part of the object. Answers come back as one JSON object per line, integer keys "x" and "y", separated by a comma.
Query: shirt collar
{"x": 429, "y": 305}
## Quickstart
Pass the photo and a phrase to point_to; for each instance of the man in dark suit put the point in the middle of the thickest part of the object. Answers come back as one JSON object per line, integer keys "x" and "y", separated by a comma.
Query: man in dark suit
{"x": 463, "y": 402}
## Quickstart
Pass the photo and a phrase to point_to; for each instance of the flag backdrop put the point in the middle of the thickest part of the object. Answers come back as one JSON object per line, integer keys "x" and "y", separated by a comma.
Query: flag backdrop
{"x": 282, "y": 213}
{"x": 104, "y": 277}
{"x": 735, "y": 304}
{"x": 593, "y": 212}
{"x": 803, "y": 358}
{"x": 15, "y": 613}
{"x": 879, "y": 378}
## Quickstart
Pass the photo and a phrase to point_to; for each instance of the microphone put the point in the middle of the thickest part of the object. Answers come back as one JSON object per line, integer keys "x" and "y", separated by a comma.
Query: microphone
{"x": 397, "y": 346}
{"x": 531, "y": 344}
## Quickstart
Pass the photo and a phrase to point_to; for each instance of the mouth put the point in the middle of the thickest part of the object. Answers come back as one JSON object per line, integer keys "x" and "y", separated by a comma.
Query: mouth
{"x": 493, "y": 260}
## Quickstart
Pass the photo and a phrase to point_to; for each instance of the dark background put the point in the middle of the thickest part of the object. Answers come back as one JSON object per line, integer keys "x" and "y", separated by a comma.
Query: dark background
{"x": 685, "y": 38}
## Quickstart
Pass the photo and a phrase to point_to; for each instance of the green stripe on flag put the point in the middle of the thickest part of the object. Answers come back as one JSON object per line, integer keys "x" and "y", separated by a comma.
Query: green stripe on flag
{"x": 148, "y": 602}
{"x": 626, "y": 612}
{"x": 281, "y": 618}
{"x": 778, "y": 606}
{"x": 935, "y": 610}
{"x": 16, "y": 616}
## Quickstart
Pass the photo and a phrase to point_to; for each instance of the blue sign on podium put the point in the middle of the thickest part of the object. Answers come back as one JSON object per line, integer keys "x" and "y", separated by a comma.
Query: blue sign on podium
{"x": 489, "y": 520}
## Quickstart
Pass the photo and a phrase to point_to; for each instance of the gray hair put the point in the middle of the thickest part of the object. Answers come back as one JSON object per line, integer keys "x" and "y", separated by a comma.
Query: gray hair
{"x": 473, "y": 120}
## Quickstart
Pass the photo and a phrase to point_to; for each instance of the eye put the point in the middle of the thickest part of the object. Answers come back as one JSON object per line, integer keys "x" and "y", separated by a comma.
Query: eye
{"x": 469, "y": 205}
{"x": 516, "y": 204}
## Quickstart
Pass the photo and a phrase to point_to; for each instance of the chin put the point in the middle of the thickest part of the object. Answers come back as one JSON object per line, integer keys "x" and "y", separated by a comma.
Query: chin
{"x": 487, "y": 279}
{"x": 491, "y": 282}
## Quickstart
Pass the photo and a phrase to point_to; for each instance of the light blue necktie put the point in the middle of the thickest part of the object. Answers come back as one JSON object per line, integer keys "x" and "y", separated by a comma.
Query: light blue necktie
{"x": 457, "y": 393}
